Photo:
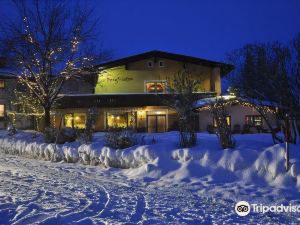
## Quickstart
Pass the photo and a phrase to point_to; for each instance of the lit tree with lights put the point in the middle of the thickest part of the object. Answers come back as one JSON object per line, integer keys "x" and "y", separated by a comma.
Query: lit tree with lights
{"x": 223, "y": 130}
{"x": 49, "y": 43}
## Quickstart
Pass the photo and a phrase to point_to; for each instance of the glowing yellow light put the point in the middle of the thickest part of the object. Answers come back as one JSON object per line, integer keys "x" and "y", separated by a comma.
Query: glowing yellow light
{"x": 118, "y": 117}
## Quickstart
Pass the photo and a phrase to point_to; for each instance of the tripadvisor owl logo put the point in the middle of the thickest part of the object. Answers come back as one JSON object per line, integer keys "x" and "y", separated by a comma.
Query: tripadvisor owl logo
{"x": 242, "y": 208}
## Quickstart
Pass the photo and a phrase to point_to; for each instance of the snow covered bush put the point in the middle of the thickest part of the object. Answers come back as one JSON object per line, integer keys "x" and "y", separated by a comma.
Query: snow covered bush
{"x": 120, "y": 138}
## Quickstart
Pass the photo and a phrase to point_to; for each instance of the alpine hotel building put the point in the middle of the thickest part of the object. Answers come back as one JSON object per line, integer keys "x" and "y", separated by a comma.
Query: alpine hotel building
{"x": 130, "y": 92}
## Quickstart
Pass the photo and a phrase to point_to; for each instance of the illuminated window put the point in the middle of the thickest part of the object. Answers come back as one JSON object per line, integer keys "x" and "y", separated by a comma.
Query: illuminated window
{"x": 156, "y": 87}
{"x": 2, "y": 110}
{"x": 121, "y": 119}
{"x": 228, "y": 120}
{"x": 2, "y": 84}
{"x": 75, "y": 120}
{"x": 79, "y": 120}
{"x": 69, "y": 120}
{"x": 254, "y": 120}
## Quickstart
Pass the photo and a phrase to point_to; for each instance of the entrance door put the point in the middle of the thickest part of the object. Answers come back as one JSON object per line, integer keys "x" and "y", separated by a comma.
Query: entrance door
{"x": 156, "y": 123}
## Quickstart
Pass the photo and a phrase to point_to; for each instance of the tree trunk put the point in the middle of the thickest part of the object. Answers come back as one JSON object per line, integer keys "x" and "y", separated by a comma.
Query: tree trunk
{"x": 47, "y": 117}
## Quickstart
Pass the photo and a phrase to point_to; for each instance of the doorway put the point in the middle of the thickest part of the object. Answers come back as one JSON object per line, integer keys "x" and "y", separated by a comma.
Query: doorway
{"x": 156, "y": 123}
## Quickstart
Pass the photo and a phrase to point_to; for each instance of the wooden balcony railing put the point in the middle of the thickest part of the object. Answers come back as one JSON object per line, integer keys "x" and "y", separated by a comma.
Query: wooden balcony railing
{"x": 118, "y": 100}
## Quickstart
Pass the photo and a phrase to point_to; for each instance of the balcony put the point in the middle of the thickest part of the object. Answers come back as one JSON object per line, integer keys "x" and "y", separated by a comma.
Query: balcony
{"x": 119, "y": 100}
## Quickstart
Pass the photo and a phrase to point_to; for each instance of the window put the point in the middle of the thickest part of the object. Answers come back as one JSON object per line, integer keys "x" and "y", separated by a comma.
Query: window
{"x": 120, "y": 119}
{"x": 161, "y": 63}
{"x": 75, "y": 120}
{"x": 254, "y": 120}
{"x": 2, "y": 84}
{"x": 155, "y": 86}
{"x": 68, "y": 120}
{"x": 150, "y": 64}
{"x": 228, "y": 120}
{"x": 2, "y": 111}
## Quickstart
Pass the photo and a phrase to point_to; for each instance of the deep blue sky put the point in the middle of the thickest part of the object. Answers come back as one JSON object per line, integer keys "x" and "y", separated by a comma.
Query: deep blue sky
{"x": 201, "y": 28}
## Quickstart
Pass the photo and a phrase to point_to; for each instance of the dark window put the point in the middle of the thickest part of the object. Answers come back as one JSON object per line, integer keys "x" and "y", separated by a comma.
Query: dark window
{"x": 161, "y": 64}
{"x": 254, "y": 120}
{"x": 150, "y": 64}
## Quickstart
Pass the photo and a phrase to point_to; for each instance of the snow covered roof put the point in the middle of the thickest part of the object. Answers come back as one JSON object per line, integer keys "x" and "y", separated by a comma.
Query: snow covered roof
{"x": 207, "y": 101}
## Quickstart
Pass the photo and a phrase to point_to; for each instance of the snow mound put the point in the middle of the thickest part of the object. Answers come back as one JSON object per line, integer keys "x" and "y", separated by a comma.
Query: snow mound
{"x": 254, "y": 160}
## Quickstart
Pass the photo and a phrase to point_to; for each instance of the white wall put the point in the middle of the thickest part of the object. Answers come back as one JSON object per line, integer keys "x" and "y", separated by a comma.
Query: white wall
{"x": 237, "y": 113}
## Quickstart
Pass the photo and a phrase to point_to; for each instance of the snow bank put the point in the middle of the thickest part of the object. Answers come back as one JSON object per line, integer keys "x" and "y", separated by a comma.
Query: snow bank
{"x": 126, "y": 158}
{"x": 31, "y": 145}
{"x": 254, "y": 160}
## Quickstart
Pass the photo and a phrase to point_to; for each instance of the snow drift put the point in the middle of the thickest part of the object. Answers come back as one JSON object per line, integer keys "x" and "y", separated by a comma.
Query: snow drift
{"x": 254, "y": 160}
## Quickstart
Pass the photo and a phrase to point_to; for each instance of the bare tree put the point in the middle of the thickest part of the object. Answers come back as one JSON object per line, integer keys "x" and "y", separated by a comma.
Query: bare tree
{"x": 49, "y": 43}
{"x": 262, "y": 75}
{"x": 295, "y": 52}
{"x": 182, "y": 88}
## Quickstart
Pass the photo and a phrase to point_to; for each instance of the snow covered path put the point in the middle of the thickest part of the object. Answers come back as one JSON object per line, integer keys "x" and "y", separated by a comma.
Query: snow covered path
{"x": 39, "y": 192}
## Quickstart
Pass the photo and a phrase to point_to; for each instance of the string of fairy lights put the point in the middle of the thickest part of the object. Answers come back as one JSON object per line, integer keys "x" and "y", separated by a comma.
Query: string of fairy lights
{"x": 40, "y": 85}
{"x": 236, "y": 101}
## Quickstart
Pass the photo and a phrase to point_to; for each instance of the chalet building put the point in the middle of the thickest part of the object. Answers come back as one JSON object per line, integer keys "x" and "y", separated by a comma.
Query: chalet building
{"x": 242, "y": 116}
{"x": 130, "y": 92}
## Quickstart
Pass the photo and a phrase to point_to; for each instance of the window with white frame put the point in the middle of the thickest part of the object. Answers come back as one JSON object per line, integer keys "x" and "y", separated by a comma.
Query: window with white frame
{"x": 150, "y": 64}
{"x": 161, "y": 63}
{"x": 253, "y": 120}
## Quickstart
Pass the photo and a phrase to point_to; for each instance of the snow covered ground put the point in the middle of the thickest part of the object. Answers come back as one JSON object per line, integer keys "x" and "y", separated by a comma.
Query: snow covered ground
{"x": 162, "y": 184}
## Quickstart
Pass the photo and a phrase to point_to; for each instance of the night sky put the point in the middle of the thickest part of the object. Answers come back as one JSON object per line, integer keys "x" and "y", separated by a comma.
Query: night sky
{"x": 200, "y": 28}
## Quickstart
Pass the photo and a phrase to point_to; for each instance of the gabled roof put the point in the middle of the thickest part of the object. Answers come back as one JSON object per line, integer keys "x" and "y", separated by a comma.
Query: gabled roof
{"x": 225, "y": 68}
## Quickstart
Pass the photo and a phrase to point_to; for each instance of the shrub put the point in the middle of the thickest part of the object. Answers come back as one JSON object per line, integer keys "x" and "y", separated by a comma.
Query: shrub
{"x": 52, "y": 135}
{"x": 210, "y": 129}
{"x": 120, "y": 138}
{"x": 11, "y": 129}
